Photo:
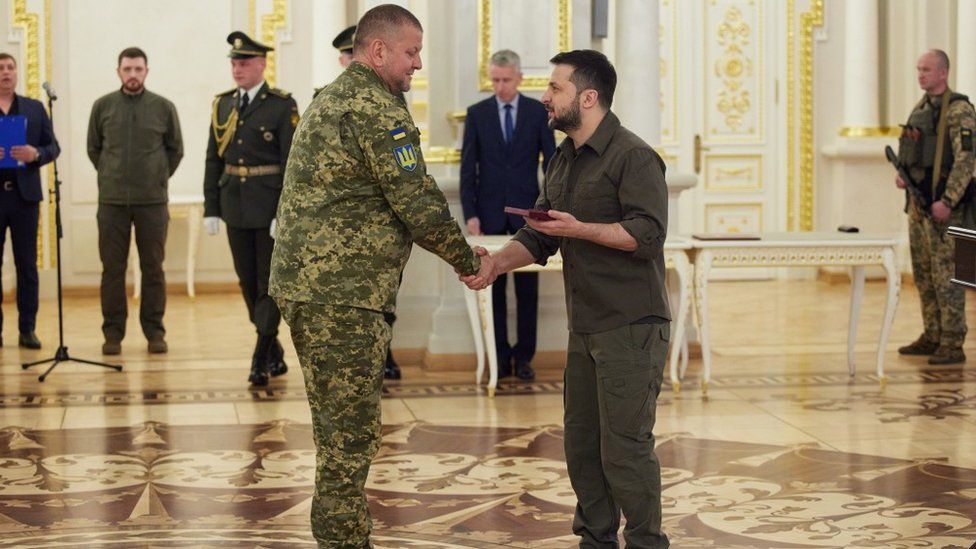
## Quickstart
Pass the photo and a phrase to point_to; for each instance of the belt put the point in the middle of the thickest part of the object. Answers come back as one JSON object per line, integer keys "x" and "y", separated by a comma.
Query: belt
{"x": 252, "y": 171}
{"x": 8, "y": 185}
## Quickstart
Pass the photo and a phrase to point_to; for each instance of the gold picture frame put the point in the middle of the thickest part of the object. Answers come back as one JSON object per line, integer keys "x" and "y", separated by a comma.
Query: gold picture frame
{"x": 533, "y": 82}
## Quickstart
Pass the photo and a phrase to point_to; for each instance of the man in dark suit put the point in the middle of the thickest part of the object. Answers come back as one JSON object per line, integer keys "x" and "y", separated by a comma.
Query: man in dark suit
{"x": 21, "y": 194}
{"x": 503, "y": 138}
{"x": 250, "y": 136}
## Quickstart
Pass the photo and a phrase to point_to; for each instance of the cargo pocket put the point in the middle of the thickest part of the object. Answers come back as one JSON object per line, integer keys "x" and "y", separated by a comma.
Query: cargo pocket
{"x": 629, "y": 404}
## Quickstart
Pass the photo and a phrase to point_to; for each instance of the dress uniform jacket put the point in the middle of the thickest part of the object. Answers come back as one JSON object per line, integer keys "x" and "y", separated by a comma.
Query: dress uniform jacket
{"x": 261, "y": 137}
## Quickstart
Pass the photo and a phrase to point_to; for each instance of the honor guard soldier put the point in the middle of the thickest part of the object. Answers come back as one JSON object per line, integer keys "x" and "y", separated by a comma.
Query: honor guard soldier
{"x": 343, "y": 43}
{"x": 251, "y": 130}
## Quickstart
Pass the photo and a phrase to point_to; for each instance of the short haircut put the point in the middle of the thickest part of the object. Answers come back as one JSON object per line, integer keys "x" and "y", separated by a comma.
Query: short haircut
{"x": 942, "y": 57}
{"x": 591, "y": 71}
{"x": 506, "y": 58}
{"x": 133, "y": 53}
{"x": 382, "y": 22}
{"x": 5, "y": 55}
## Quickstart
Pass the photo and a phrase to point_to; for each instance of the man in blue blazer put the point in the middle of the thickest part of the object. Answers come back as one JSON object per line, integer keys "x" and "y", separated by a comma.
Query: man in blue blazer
{"x": 21, "y": 194}
{"x": 504, "y": 136}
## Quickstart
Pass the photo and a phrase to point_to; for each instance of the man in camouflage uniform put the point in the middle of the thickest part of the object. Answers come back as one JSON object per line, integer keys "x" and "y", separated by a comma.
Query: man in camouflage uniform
{"x": 937, "y": 148}
{"x": 250, "y": 136}
{"x": 356, "y": 197}
{"x": 343, "y": 42}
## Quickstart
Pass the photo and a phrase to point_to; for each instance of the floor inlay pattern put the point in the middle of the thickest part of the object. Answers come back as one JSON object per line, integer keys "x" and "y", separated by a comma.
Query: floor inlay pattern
{"x": 156, "y": 484}
{"x": 506, "y": 387}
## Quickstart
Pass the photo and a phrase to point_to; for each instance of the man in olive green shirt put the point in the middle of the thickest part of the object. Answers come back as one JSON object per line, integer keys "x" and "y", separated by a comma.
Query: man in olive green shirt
{"x": 135, "y": 143}
{"x": 356, "y": 197}
{"x": 607, "y": 198}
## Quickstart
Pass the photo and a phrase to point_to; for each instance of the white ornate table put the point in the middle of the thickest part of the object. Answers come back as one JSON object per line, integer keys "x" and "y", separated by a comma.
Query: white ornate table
{"x": 811, "y": 249}
{"x": 180, "y": 206}
{"x": 481, "y": 315}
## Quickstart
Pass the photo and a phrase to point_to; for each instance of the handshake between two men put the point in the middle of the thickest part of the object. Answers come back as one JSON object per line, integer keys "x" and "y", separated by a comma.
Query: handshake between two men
{"x": 514, "y": 254}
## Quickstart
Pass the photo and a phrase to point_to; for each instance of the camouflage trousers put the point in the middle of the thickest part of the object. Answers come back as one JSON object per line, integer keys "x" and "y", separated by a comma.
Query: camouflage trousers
{"x": 943, "y": 303}
{"x": 342, "y": 351}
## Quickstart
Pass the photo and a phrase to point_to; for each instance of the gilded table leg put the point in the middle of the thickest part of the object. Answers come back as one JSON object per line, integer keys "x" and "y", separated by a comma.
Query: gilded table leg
{"x": 857, "y": 292}
{"x": 703, "y": 267}
{"x": 678, "y": 344}
{"x": 194, "y": 218}
{"x": 891, "y": 303}
{"x": 134, "y": 265}
{"x": 488, "y": 329}
{"x": 471, "y": 303}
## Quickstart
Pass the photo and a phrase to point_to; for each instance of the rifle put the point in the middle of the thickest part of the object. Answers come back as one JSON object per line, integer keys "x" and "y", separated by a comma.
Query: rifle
{"x": 922, "y": 198}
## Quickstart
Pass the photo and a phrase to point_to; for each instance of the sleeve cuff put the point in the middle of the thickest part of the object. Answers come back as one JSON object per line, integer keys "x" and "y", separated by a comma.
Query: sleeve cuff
{"x": 529, "y": 239}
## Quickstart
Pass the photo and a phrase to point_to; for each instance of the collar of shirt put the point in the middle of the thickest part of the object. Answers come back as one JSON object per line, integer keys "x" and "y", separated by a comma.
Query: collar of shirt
{"x": 598, "y": 141}
{"x": 251, "y": 92}
{"x": 501, "y": 109}
{"x": 14, "y": 108}
{"x": 361, "y": 69}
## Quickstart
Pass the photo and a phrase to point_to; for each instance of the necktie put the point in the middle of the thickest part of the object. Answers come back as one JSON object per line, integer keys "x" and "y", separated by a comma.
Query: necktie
{"x": 509, "y": 125}
{"x": 245, "y": 99}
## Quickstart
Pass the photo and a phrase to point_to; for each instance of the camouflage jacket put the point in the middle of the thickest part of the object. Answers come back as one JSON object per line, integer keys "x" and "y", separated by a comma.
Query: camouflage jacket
{"x": 961, "y": 124}
{"x": 356, "y": 196}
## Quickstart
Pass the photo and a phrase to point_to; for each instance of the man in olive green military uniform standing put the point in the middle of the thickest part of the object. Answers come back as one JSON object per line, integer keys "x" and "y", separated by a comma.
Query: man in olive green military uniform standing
{"x": 250, "y": 136}
{"x": 937, "y": 147}
{"x": 608, "y": 200}
{"x": 135, "y": 144}
{"x": 356, "y": 198}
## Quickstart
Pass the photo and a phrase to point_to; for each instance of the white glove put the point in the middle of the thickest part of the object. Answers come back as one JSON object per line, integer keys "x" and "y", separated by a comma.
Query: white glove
{"x": 212, "y": 225}
{"x": 274, "y": 228}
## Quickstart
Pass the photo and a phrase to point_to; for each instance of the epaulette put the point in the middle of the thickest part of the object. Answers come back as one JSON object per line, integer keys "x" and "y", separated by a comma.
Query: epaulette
{"x": 279, "y": 92}
{"x": 228, "y": 92}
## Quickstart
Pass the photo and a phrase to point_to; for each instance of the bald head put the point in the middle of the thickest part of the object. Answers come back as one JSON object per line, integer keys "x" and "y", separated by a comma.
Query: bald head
{"x": 933, "y": 72}
{"x": 383, "y": 23}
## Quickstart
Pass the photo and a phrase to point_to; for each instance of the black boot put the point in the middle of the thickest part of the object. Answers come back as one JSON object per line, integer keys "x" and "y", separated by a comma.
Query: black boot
{"x": 276, "y": 359}
{"x": 259, "y": 362}
{"x": 391, "y": 370}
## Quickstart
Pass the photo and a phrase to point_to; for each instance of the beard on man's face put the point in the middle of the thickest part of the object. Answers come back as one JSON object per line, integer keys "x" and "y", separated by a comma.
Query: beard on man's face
{"x": 568, "y": 120}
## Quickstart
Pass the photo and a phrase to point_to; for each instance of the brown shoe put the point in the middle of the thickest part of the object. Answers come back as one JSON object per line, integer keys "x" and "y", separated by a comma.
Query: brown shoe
{"x": 111, "y": 347}
{"x": 158, "y": 345}
{"x": 920, "y": 347}
{"x": 948, "y": 355}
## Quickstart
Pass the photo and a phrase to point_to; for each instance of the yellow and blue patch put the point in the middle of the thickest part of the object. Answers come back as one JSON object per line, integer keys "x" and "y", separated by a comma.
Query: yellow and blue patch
{"x": 398, "y": 134}
{"x": 406, "y": 157}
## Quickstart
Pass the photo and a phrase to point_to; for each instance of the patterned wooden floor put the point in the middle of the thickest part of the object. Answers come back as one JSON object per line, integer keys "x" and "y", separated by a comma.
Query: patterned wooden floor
{"x": 787, "y": 452}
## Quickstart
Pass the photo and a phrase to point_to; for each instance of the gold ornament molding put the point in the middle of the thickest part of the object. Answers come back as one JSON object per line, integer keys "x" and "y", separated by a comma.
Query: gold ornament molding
{"x": 29, "y": 23}
{"x": 485, "y": 47}
{"x": 799, "y": 192}
{"x": 733, "y": 67}
{"x": 882, "y": 131}
{"x": 797, "y": 257}
{"x": 442, "y": 155}
{"x": 271, "y": 23}
{"x": 739, "y": 209}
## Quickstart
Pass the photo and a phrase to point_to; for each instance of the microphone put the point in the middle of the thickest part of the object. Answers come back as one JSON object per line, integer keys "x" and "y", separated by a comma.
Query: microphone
{"x": 51, "y": 94}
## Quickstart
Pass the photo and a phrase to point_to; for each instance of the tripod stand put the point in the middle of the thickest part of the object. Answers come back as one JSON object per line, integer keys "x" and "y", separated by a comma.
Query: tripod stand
{"x": 61, "y": 355}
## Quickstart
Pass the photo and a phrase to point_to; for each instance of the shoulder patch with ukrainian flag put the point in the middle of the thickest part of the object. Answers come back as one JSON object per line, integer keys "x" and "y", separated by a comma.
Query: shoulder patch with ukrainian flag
{"x": 405, "y": 155}
{"x": 966, "y": 136}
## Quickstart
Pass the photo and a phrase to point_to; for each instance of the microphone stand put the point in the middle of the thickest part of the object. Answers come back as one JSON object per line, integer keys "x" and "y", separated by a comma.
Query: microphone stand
{"x": 62, "y": 353}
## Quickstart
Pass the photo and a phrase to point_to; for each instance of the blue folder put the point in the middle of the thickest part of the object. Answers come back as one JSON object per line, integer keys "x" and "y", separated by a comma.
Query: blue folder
{"x": 13, "y": 132}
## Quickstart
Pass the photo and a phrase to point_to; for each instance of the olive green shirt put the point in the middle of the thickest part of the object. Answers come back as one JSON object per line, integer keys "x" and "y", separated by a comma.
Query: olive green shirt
{"x": 615, "y": 177}
{"x": 356, "y": 197}
{"x": 135, "y": 144}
